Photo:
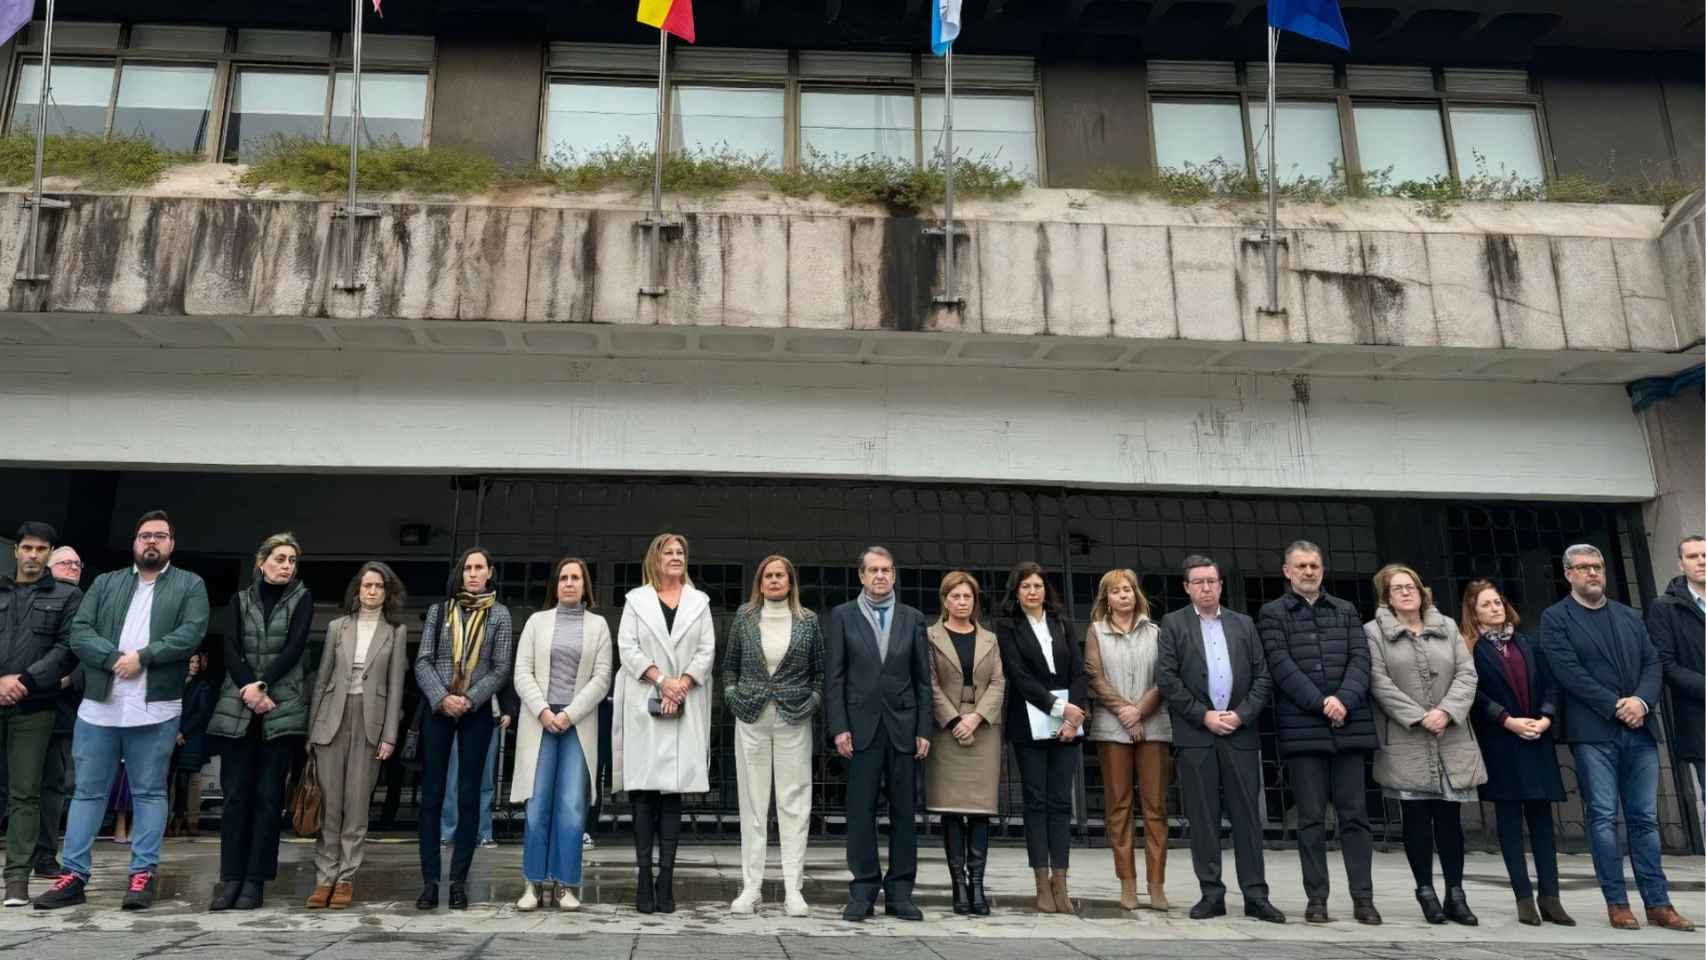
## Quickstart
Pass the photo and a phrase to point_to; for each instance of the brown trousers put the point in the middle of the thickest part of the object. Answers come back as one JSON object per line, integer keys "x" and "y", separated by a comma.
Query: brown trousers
{"x": 1147, "y": 764}
{"x": 347, "y": 769}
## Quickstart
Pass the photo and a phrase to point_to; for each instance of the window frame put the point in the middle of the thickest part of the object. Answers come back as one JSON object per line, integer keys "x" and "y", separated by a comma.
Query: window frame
{"x": 226, "y": 63}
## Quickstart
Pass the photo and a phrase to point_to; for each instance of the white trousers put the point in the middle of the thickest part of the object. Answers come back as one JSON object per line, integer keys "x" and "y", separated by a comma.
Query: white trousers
{"x": 771, "y": 751}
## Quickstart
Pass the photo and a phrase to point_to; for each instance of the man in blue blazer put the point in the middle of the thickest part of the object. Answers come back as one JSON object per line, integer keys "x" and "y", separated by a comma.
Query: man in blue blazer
{"x": 877, "y": 698}
{"x": 1609, "y": 672}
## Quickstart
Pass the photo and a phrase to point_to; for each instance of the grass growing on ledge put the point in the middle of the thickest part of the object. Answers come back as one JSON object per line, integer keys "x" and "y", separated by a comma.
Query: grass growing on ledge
{"x": 98, "y": 163}
{"x": 319, "y": 167}
{"x": 857, "y": 180}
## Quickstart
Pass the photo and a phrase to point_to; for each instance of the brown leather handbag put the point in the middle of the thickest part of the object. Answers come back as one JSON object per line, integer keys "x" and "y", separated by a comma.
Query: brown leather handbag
{"x": 307, "y": 801}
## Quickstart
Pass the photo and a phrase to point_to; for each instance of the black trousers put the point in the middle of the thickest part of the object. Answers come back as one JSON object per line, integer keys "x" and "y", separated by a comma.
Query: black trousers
{"x": 472, "y": 734}
{"x": 880, "y": 769}
{"x": 1216, "y": 778}
{"x": 1047, "y": 771}
{"x": 252, "y": 771}
{"x": 1538, "y": 813}
{"x": 1431, "y": 825}
{"x": 1316, "y": 778}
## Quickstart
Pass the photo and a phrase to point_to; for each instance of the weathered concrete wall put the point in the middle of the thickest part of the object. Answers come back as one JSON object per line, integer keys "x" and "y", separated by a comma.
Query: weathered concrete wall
{"x": 486, "y": 96}
{"x": 1094, "y": 118}
{"x": 1513, "y": 277}
{"x": 1682, "y": 258}
{"x": 1676, "y": 435}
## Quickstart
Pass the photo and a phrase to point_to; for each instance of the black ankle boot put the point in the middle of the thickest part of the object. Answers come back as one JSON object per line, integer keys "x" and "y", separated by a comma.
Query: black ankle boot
{"x": 428, "y": 900}
{"x": 1457, "y": 908}
{"x": 954, "y": 846}
{"x": 645, "y": 828}
{"x": 1431, "y": 910}
{"x": 227, "y": 895}
{"x": 250, "y": 897}
{"x": 669, "y": 837}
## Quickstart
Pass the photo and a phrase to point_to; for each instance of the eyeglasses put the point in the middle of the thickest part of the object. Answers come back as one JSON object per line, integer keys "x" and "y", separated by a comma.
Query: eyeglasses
{"x": 1402, "y": 588}
{"x": 68, "y": 563}
{"x": 1202, "y": 582}
{"x": 1588, "y": 568}
{"x": 153, "y": 537}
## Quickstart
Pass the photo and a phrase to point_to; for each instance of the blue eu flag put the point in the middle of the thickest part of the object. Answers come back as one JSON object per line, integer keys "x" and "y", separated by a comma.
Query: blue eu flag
{"x": 1318, "y": 19}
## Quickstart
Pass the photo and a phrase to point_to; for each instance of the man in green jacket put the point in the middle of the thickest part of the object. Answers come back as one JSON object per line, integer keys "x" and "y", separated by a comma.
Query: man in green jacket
{"x": 35, "y": 655}
{"x": 134, "y": 635}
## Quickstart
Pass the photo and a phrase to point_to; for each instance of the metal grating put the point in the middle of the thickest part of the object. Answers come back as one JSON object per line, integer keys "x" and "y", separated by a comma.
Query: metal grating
{"x": 1291, "y": 77}
{"x": 970, "y": 69}
{"x": 730, "y": 62}
{"x": 1192, "y": 73}
{"x": 1506, "y": 82}
{"x": 1387, "y": 79}
{"x": 603, "y": 58}
{"x": 819, "y": 64}
{"x": 390, "y": 47}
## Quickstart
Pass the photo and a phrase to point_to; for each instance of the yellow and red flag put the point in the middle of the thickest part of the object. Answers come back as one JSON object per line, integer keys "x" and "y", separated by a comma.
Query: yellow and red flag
{"x": 675, "y": 16}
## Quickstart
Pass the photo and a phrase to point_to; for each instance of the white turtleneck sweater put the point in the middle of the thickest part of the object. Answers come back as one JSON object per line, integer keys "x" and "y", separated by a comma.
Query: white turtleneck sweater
{"x": 775, "y": 629}
{"x": 366, "y": 624}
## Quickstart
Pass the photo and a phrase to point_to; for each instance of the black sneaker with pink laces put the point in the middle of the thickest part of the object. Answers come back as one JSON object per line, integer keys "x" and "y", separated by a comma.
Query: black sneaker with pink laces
{"x": 140, "y": 896}
{"x": 67, "y": 891}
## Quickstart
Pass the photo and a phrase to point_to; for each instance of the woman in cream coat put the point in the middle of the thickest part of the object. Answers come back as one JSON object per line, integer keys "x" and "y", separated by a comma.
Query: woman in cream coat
{"x": 562, "y": 671}
{"x": 357, "y": 702}
{"x": 661, "y": 740}
{"x": 962, "y": 777}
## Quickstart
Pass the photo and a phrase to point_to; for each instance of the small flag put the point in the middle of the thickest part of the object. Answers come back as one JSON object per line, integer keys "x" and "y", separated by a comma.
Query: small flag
{"x": 675, "y": 16}
{"x": 944, "y": 25}
{"x": 13, "y": 15}
{"x": 1317, "y": 19}
{"x": 377, "y": 10}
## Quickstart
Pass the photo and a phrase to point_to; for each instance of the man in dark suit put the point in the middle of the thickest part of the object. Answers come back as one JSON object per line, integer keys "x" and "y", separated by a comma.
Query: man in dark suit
{"x": 1609, "y": 670}
{"x": 1677, "y": 622}
{"x": 877, "y": 694}
{"x": 1214, "y": 676}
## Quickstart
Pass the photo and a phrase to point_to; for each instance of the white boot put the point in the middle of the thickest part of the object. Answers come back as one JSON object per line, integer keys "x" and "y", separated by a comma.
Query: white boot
{"x": 566, "y": 899}
{"x": 747, "y": 902}
{"x": 795, "y": 905}
{"x": 529, "y": 899}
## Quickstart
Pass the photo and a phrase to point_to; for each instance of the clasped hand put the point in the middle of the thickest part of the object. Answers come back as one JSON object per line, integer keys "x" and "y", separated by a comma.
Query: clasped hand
{"x": 1222, "y": 722}
{"x": 257, "y": 700}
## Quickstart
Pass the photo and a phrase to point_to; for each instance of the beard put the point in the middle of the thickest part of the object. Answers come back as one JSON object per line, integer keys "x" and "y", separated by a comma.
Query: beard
{"x": 151, "y": 560}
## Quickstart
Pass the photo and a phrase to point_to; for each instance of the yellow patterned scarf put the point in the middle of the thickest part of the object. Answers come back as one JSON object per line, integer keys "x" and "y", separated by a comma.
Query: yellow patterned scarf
{"x": 467, "y": 635}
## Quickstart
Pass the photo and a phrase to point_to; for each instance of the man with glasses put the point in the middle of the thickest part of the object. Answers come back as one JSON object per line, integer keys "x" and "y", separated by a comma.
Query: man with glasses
{"x": 1214, "y": 676}
{"x": 135, "y": 634}
{"x": 56, "y": 777}
{"x": 35, "y": 654}
{"x": 1609, "y": 672}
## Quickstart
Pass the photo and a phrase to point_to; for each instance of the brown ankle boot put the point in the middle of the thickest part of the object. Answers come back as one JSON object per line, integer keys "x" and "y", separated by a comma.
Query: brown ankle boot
{"x": 1128, "y": 893}
{"x": 1667, "y": 917}
{"x": 342, "y": 894}
{"x": 317, "y": 900}
{"x": 1045, "y": 891}
{"x": 1622, "y": 918}
{"x": 1062, "y": 899}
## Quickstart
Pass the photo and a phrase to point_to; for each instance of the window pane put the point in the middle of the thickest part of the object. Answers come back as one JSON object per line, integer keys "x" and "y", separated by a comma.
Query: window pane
{"x": 742, "y": 119}
{"x": 1198, "y": 133}
{"x": 272, "y": 103}
{"x": 1308, "y": 146}
{"x": 586, "y": 117}
{"x": 855, "y": 124}
{"x": 1407, "y": 138}
{"x": 169, "y": 105}
{"x": 1497, "y": 142}
{"x": 996, "y": 129}
{"x": 76, "y": 104}
{"x": 393, "y": 105}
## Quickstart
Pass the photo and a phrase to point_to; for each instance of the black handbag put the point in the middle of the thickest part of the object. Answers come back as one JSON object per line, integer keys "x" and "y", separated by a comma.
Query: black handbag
{"x": 654, "y": 706}
{"x": 411, "y": 752}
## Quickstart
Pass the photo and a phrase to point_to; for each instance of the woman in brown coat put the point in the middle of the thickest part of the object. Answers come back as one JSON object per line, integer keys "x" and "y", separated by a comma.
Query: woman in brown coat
{"x": 963, "y": 774}
{"x": 1131, "y": 729}
{"x": 357, "y": 702}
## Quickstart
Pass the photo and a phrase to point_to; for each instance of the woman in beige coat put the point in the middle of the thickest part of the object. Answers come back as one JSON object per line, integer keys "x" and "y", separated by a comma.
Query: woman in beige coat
{"x": 357, "y": 700}
{"x": 1131, "y": 728}
{"x": 562, "y": 671}
{"x": 1423, "y": 680}
{"x": 962, "y": 776}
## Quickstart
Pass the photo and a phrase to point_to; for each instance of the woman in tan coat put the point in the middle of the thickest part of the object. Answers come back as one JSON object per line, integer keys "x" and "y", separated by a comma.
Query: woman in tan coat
{"x": 1131, "y": 729}
{"x": 1423, "y": 681}
{"x": 357, "y": 701}
{"x": 963, "y": 775}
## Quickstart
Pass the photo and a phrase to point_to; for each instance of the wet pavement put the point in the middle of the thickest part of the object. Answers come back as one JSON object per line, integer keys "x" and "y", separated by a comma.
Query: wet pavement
{"x": 384, "y": 923}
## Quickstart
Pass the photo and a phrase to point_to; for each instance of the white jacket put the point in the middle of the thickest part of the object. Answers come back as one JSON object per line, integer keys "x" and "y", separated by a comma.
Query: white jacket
{"x": 657, "y": 753}
{"x": 533, "y": 678}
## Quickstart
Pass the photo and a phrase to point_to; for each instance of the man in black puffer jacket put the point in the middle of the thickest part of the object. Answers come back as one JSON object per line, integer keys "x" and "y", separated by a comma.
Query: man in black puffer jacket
{"x": 1676, "y": 621}
{"x": 1318, "y": 658}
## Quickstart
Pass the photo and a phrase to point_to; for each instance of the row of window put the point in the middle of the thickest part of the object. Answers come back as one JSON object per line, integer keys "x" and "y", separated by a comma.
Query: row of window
{"x": 250, "y": 86}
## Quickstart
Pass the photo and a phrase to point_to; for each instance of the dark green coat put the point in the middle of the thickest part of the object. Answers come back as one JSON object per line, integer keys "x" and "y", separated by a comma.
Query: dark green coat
{"x": 262, "y": 642}
{"x": 176, "y": 629}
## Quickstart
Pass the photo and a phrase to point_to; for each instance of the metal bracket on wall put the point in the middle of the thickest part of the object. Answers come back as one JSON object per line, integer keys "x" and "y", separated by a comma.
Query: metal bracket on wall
{"x": 27, "y": 272}
{"x": 661, "y": 231}
{"x": 948, "y": 297}
{"x": 345, "y": 212}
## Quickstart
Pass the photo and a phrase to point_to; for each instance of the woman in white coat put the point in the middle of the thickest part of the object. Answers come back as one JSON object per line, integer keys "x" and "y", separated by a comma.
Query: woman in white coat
{"x": 562, "y": 671}
{"x": 662, "y": 737}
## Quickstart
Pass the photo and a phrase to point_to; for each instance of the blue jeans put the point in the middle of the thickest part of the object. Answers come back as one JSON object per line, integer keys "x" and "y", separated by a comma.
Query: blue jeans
{"x": 1625, "y": 770}
{"x": 556, "y": 813}
{"x": 447, "y": 822}
{"x": 95, "y": 754}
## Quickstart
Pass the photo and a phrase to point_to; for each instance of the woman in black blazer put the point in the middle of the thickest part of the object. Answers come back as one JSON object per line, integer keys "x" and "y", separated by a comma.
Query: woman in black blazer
{"x": 1515, "y": 705}
{"x": 1040, "y": 656}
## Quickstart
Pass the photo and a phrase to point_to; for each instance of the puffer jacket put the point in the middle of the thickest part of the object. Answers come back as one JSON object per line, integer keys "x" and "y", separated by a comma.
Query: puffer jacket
{"x": 1410, "y": 675}
{"x": 1315, "y": 651}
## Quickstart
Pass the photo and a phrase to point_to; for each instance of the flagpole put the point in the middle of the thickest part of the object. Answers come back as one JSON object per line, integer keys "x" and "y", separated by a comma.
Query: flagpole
{"x": 657, "y": 164}
{"x": 41, "y": 144}
{"x": 1273, "y": 201}
{"x": 948, "y": 180}
{"x": 354, "y": 143}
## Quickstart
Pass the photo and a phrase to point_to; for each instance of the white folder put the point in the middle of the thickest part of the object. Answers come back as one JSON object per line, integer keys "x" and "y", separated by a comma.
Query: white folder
{"x": 1045, "y": 726}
